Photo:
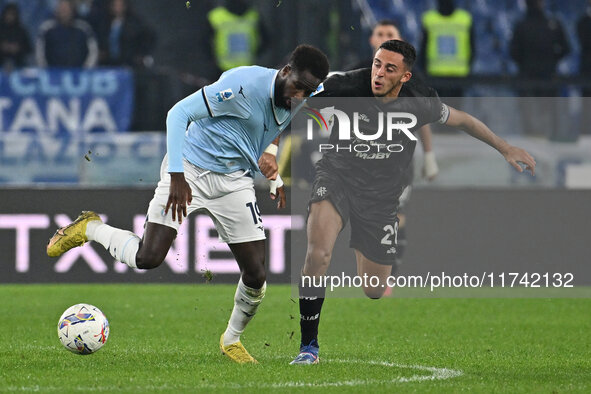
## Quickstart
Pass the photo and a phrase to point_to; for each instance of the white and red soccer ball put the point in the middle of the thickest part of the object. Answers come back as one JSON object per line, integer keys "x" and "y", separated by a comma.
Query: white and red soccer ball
{"x": 83, "y": 329}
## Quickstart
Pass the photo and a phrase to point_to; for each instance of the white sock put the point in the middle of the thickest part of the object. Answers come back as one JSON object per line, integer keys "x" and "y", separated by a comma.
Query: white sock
{"x": 246, "y": 303}
{"x": 122, "y": 244}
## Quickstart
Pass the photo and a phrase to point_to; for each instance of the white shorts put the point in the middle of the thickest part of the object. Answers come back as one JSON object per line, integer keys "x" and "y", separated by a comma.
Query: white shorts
{"x": 229, "y": 200}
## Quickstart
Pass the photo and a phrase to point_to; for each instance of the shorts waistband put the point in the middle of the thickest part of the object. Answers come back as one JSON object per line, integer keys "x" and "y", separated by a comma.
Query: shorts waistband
{"x": 201, "y": 172}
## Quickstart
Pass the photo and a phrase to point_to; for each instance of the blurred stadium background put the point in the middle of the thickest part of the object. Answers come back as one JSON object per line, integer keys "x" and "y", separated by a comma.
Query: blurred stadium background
{"x": 82, "y": 126}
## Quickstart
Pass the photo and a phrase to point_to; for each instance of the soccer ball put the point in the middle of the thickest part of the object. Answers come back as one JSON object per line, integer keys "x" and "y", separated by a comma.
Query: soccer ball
{"x": 83, "y": 329}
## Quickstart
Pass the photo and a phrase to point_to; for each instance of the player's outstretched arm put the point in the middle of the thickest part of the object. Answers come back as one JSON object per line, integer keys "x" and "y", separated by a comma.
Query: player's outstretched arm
{"x": 430, "y": 167}
{"x": 473, "y": 126}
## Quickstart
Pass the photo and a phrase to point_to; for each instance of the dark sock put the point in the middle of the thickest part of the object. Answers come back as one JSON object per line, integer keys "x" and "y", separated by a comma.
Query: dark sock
{"x": 310, "y": 307}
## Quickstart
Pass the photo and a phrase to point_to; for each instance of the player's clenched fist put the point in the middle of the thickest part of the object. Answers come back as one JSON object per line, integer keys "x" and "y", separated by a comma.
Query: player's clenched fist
{"x": 268, "y": 165}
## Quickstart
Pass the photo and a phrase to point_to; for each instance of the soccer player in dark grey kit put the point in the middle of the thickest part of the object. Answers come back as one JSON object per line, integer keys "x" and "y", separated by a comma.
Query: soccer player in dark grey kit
{"x": 365, "y": 191}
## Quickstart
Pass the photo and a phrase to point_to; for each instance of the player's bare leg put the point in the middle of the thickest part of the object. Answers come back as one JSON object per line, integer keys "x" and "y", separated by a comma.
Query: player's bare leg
{"x": 324, "y": 226}
{"x": 367, "y": 267}
{"x": 154, "y": 245}
{"x": 123, "y": 245}
{"x": 249, "y": 294}
{"x": 146, "y": 253}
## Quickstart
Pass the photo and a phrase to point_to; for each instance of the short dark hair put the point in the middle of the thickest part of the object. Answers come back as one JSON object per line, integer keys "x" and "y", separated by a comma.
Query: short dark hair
{"x": 387, "y": 22}
{"x": 307, "y": 57}
{"x": 407, "y": 51}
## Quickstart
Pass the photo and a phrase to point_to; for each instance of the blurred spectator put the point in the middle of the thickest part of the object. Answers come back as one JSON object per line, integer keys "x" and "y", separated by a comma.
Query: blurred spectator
{"x": 15, "y": 43}
{"x": 66, "y": 41}
{"x": 584, "y": 35}
{"x": 236, "y": 34}
{"x": 447, "y": 48}
{"x": 383, "y": 31}
{"x": 538, "y": 43}
{"x": 124, "y": 40}
{"x": 83, "y": 8}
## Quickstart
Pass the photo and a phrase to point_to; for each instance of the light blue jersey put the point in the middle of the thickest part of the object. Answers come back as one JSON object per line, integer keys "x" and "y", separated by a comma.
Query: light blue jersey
{"x": 232, "y": 122}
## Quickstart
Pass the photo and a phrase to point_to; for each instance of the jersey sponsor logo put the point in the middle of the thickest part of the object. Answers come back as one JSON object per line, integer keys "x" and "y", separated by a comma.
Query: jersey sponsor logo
{"x": 372, "y": 156}
{"x": 225, "y": 95}
{"x": 364, "y": 118}
{"x": 373, "y": 150}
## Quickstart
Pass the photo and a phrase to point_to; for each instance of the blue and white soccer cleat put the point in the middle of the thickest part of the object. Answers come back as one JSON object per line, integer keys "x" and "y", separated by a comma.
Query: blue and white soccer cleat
{"x": 308, "y": 354}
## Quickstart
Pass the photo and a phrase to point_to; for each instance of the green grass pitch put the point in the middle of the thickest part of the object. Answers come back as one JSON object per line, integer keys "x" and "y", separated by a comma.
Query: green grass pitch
{"x": 164, "y": 338}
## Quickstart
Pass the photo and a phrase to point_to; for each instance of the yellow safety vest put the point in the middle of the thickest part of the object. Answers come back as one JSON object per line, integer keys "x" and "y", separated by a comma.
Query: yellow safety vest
{"x": 448, "y": 43}
{"x": 235, "y": 37}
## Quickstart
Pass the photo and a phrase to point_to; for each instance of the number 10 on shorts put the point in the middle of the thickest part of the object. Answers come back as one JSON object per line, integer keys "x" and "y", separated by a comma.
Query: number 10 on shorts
{"x": 390, "y": 231}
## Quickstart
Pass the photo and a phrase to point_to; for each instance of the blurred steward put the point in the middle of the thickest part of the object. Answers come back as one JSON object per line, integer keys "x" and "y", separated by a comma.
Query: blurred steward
{"x": 66, "y": 41}
{"x": 447, "y": 49}
{"x": 15, "y": 43}
{"x": 238, "y": 34}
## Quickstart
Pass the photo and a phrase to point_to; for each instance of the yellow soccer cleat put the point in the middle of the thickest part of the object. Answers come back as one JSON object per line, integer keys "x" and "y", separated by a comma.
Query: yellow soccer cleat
{"x": 71, "y": 236}
{"x": 236, "y": 352}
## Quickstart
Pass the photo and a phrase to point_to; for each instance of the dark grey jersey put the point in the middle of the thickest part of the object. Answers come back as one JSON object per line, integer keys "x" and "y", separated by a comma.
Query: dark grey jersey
{"x": 378, "y": 166}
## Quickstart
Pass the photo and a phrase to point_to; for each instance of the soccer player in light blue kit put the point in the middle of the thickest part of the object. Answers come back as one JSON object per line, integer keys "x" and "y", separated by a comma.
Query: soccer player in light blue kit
{"x": 210, "y": 166}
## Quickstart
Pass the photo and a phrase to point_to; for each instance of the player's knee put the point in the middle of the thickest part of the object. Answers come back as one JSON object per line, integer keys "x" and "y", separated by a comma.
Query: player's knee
{"x": 256, "y": 280}
{"x": 375, "y": 293}
{"x": 254, "y": 275}
{"x": 148, "y": 262}
{"x": 318, "y": 259}
{"x": 149, "y": 259}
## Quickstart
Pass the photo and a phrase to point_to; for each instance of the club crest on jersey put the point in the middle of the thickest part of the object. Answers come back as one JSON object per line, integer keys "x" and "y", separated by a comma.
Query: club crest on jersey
{"x": 225, "y": 95}
{"x": 321, "y": 191}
